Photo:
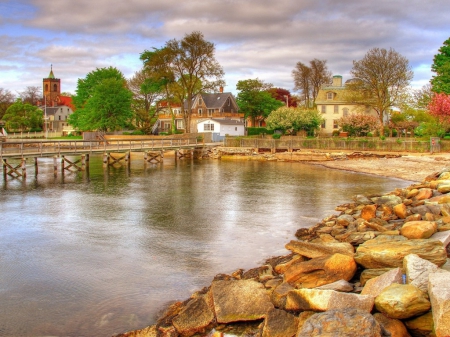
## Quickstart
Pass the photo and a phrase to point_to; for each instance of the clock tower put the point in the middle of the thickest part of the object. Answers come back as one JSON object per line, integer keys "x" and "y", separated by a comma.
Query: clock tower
{"x": 51, "y": 89}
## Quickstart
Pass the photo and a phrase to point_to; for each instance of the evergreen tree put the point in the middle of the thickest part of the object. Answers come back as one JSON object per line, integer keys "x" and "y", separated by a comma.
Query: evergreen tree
{"x": 441, "y": 66}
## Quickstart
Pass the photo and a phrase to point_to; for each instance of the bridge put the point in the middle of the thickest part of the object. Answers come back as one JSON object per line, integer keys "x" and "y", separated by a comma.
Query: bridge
{"x": 152, "y": 149}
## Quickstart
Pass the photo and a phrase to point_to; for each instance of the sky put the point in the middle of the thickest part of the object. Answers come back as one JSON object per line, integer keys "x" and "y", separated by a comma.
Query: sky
{"x": 254, "y": 38}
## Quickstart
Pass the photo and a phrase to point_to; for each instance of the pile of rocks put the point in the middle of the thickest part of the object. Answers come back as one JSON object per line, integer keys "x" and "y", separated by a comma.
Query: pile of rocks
{"x": 379, "y": 268}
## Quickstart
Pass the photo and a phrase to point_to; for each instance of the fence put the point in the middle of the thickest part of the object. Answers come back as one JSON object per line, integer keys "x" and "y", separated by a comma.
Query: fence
{"x": 366, "y": 144}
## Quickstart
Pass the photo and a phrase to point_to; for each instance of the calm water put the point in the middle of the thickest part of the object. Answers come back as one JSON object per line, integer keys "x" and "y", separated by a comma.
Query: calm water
{"x": 100, "y": 254}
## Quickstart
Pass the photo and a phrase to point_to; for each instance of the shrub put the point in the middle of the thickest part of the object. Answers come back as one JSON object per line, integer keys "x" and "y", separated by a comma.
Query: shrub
{"x": 335, "y": 133}
{"x": 369, "y": 134}
{"x": 383, "y": 138}
{"x": 138, "y": 133}
{"x": 276, "y": 136}
{"x": 258, "y": 131}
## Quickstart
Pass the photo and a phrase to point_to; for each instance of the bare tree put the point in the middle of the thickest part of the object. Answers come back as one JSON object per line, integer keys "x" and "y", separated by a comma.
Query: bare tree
{"x": 380, "y": 79}
{"x": 31, "y": 95}
{"x": 6, "y": 100}
{"x": 309, "y": 79}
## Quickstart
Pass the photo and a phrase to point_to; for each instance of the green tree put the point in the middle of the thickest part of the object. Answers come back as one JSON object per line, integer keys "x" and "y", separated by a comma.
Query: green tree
{"x": 190, "y": 65}
{"x": 255, "y": 100}
{"x": 102, "y": 101}
{"x": 22, "y": 116}
{"x": 441, "y": 66}
{"x": 380, "y": 78}
{"x": 293, "y": 120}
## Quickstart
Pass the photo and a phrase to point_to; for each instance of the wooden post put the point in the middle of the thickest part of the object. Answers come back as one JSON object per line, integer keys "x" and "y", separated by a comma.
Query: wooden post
{"x": 176, "y": 155}
{"x": 105, "y": 159}
{"x": 55, "y": 166}
{"x": 83, "y": 162}
{"x": 4, "y": 169}
{"x": 62, "y": 164}
{"x": 24, "y": 167}
{"x": 87, "y": 161}
{"x": 35, "y": 166}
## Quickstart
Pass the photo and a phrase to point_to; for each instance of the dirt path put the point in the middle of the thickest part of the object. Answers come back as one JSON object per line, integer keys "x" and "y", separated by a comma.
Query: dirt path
{"x": 413, "y": 167}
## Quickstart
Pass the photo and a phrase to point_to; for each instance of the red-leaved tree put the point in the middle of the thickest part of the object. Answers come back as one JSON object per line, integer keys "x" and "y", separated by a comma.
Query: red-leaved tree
{"x": 440, "y": 107}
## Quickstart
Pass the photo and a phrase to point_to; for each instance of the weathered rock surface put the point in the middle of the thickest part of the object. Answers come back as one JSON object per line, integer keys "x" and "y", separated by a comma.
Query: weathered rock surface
{"x": 239, "y": 300}
{"x": 320, "y": 271}
{"x": 279, "y": 323}
{"x": 194, "y": 317}
{"x": 375, "y": 286}
{"x": 418, "y": 229}
{"x": 417, "y": 271}
{"x": 390, "y": 253}
{"x": 368, "y": 274}
{"x": 340, "y": 285}
{"x": 345, "y": 322}
{"x": 394, "y": 326}
{"x": 313, "y": 250}
{"x": 421, "y": 326}
{"x": 439, "y": 291}
{"x": 402, "y": 301}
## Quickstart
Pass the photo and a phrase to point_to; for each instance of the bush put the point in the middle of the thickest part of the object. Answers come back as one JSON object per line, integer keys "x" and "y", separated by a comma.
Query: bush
{"x": 138, "y": 133}
{"x": 394, "y": 132}
{"x": 369, "y": 134}
{"x": 258, "y": 131}
{"x": 383, "y": 138}
{"x": 35, "y": 130}
{"x": 335, "y": 133}
{"x": 163, "y": 133}
{"x": 276, "y": 136}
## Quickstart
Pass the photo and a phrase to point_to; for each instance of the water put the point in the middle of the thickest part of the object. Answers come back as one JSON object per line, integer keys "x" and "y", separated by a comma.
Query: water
{"x": 102, "y": 253}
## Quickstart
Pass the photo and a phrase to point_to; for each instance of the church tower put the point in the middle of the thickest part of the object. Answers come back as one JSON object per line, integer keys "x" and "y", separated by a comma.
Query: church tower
{"x": 51, "y": 89}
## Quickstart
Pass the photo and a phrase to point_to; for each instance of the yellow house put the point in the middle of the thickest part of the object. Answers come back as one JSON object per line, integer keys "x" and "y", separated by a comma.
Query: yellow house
{"x": 331, "y": 104}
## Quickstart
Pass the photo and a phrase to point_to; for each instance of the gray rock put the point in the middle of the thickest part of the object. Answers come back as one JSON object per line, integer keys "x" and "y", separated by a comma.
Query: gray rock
{"x": 279, "y": 323}
{"x": 341, "y": 285}
{"x": 439, "y": 292}
{"x": 375, "y": 286}
{"x": 417, "y": 271}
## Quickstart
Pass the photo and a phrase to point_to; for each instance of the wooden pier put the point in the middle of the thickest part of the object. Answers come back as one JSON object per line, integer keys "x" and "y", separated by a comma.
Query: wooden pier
{"x": 114, "y": 153}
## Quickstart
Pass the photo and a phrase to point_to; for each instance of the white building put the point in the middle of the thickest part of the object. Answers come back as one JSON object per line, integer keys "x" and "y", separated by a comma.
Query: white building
{"x": 221, "y": 128}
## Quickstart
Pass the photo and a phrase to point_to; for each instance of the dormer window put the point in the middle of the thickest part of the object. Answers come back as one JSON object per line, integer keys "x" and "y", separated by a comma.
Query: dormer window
{"x": 330, "y": 95}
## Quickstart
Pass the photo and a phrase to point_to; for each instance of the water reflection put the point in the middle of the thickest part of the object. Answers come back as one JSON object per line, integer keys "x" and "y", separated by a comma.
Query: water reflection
{"x": 101, "y": 252}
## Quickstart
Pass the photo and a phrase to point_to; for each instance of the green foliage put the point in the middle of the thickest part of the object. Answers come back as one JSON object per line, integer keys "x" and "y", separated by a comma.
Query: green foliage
{"x": 258, "y": 131}
{"x": 276, "y": 136}
{"x": 335, "y": 133}
{"x": 369, "y": 134}
{"x": 23, "y": 117}
{"x": 294, "y": 119}
{"x": 138, "y": 133}
{"x": 441, "y": 66}
{"x": 102, "y": 101}
{"x": 383, "y": 138}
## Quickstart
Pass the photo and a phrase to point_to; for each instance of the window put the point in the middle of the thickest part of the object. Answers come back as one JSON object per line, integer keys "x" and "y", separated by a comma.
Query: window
{"x": 336, "y": 109}
{"x": 166, "y": 125}
{"x": 65, "y": 117}
{"x": 345, "y": 112}
{"x": 60, "y": 109}
{"x": 330, "y": 95}
{"x": 55, "y": 87}
{"x": 200, "y": 101}
{"x": 235, "y": 128}
{"x": 200, "y": 112}
{"x": 210, "y": 112}
{"x": 324, "y": 124}
{"x": 180, "y": 124}
{"x": 229, "y": 102}
{"x": 208, "y": 127}
{"x": 59, "y": 117}
{"x": 323, "y": 109}
{"x": 335, "y": 124}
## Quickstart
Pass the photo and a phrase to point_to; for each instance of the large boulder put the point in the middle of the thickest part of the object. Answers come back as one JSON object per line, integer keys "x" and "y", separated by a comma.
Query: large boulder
{"x": 402, "y": 301}
{"x": 239, "y": 300}
{"x": 313, "y": 250}
{"x": 382, "y": 253}
{"x": 279, "y": 323}
{"x": 320, "y": 271}
{"x": 375, "y": 286}
{"x": 368, "y": 212}
{"x": 194, "y": 317}
{"x": 421, "y": 326}
{"x": 439, "y": 291}
{"x": 417, "y": 271}
{"x": 418, "y": 229}
{"x": 344, "y": 322}
{"x": 368, "y": 274}
{"x": 392, "y": 325}
{"x": 323, "y": 300}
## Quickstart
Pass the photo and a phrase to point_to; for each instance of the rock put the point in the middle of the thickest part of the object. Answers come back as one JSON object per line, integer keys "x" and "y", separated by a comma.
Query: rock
{"x": 279, "y": 323}
{"x": 412, "y": 193}
{"x": 320, "y": 271}
{"x": 362, "y": 199}
{"x": 418, "y": 229}
{"x": 439, "y": 292}
{"x": 340, "y": 285}
{"x": 279, "y": 294}
{"x": 368, "y": 274}
{"x": 344, "y": 220}
{"x": 402, "y": 301}
{"x": 193, "y": 318}
{"x": 401, "y": 211}
{"x": 313, "y": 250}
{"x": 424, "y": 193}
{"x": 443, "y": 186}
{"x": 149, "y": 331}
{"x": 444, "y": 237}
{"x": 345, "y": 322}
{"x": 375, "y": 286}
{"x": 368, "y": 212}
{"x": 280, "y": 268}
{"x": 239, "y": 300}
{"x": 417, "y": 271}
{"x": 389, "y": 200}
{"x": 390, "y": 253}
{"x": 392, "y": 325}
{"x": 323, "y": 300}
{"x": 421, "y": 326}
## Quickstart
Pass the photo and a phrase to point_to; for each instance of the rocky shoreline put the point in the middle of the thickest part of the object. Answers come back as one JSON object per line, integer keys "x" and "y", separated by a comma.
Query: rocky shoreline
{"x": 378, "y": 268}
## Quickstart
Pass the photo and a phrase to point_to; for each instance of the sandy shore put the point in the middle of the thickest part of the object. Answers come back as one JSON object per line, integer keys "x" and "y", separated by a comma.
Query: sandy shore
{"x": 412, "y": 167}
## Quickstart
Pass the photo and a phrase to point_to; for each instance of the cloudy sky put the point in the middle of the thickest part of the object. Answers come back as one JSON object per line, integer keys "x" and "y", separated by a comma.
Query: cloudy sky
{"x": 254, "y": 38}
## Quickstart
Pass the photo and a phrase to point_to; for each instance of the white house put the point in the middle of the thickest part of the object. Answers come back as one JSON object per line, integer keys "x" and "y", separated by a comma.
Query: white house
{"x": 221, "y": 127}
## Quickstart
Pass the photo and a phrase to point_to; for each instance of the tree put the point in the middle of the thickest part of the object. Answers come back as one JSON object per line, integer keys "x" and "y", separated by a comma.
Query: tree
{"x": 6, "y": 100}
{"x": 255, "y": 100}
{"x": 22, "y": 116}
{"x": 32, "y": 95}
{"x": 358, "y": 124}
{"x": 379, "y": 81}
{"x": 441, "y": 66}
{"x": 191, "y": 64}
{"x": 146, "y": 93}
{"x": 293, "y": 120}
{"x": 309, "y": 79}
{"x": 102, "y": 101}
{"x": 284, "y": 95}
{"x": 440, "y": 108}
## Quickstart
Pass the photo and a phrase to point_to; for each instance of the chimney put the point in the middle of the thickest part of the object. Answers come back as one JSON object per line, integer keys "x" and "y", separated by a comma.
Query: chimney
{"x": 337, "y": 81}
{"x": 221, "y": 89}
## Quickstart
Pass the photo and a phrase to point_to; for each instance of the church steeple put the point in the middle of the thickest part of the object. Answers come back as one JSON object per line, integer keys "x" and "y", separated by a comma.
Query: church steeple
{"x": 51, "y": 88}
{"x": 51, "y": 75}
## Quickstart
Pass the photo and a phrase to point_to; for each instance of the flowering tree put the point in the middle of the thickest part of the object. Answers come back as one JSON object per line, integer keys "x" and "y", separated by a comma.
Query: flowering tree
{"x": 294, "y": 119}
{"x": 440, "y": 107}
{"x": 358, "y": 124}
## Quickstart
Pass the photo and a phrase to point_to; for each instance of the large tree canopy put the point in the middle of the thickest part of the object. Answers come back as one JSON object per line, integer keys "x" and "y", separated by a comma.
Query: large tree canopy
{"x": 190, "y": 64}
{"x": 22, "y": 116}
{"x": 441, "y": 66}
{"x": 6, "y": 100}
{"x": 379, "y": 81}
{"x": 309, "y": 79}
{"x": 294, "y": 119}
{"x": 102, "y": 101}
{"x": 255, "y": 100}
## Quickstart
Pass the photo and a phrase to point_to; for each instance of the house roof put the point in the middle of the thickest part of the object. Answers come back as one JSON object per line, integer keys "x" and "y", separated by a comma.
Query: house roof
{"x": 224, "y": 121}
{"x": 66, "y": 100}
{"x": 214, "y": 101}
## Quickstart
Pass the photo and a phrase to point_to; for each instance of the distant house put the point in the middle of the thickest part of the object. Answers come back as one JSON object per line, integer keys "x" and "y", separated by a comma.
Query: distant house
{"x": 221, "y": 128}
{"x": 331, "y": 104}
{"x": 220, "y": 105}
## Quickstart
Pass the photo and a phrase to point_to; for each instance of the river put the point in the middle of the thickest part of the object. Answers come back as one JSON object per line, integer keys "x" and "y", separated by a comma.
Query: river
{"x": 100, "y": 253}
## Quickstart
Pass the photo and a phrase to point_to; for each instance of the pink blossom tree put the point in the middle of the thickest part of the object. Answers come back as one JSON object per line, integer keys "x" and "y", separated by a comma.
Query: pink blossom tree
{"x": 358, "y": 124}
{"x": 440, "y": 107}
